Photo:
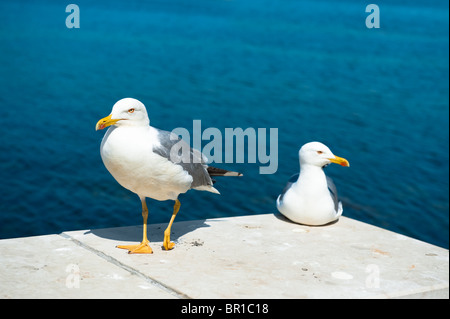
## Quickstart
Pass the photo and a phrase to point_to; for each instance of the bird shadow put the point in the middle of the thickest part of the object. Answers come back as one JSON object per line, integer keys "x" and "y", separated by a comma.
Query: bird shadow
{"x": 287, "y": 220}
{"x": 155, "y": 232}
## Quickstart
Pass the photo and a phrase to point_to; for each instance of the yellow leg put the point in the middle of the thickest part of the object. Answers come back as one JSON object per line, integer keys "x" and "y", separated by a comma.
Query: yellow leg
{"x": 143, "y": 247}
{"x": 168, "y": 245}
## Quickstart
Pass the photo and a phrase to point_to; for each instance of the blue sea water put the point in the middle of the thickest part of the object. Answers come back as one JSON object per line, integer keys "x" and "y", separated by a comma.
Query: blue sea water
{"x": 378, "y": 97}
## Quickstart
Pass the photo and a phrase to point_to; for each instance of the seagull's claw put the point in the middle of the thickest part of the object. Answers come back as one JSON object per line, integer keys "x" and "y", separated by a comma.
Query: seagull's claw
{"x": 167, "y": 244}
{"x": 142, "y": 248}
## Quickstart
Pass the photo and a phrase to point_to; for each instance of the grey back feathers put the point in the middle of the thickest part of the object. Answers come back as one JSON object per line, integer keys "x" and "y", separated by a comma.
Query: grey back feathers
{"x": 194, "y": 163}
{"x": 291, "y": 181}
{"x": 333, "y": 193}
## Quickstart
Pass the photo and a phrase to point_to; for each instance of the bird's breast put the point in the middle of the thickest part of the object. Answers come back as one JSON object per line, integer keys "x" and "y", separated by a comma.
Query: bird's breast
{"x": 128, "y": 155}
{"x": 307, "y": 204}
{"x": 125, "y": 149}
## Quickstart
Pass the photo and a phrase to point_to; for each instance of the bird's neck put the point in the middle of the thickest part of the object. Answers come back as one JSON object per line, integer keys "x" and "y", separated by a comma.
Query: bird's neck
{"x": 307, "y": 169}
{"x": 311, "y": 176}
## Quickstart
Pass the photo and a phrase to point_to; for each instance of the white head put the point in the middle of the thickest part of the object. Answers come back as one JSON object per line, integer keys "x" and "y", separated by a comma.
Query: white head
{"x": 126, "y": 112}
{"x": 318, "y": 154}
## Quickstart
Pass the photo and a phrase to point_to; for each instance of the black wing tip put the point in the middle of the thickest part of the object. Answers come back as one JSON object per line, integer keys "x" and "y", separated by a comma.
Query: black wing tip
{"x": 214, "y": 171}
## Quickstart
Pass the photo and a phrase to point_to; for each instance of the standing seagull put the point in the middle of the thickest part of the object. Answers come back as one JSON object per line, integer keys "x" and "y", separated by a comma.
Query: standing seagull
{"x": 310, "y": 197}
{"x": 151, "y": 163}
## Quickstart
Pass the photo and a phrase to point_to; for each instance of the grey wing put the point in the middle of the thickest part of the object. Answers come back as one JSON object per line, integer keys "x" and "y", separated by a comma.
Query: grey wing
{"x": 333, "y": 193}
{"x": 179, "y": 152}
{"x": 291, "y": 181}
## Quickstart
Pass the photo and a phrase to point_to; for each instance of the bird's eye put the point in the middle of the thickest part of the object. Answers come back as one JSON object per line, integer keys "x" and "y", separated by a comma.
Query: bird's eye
{"x": 130, "y": 110}
{"x": 319, "y": 152}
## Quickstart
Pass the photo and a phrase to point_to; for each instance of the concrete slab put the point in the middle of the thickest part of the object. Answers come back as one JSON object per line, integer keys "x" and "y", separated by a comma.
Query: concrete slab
{"x": 266, "y": 256}
{"x": 260, "y": 256}
{"x": 55, "y": 267}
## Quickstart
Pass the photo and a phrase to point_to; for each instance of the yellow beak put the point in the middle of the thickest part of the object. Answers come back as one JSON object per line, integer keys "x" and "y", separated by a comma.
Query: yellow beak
{"x": 105, "y": 122}
{"x": 339, "y": 160}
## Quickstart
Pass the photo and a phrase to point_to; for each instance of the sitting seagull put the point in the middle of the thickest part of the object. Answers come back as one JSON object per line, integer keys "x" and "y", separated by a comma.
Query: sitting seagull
{"x": 151, "y": 163}
{"x": 310, "y": 197}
